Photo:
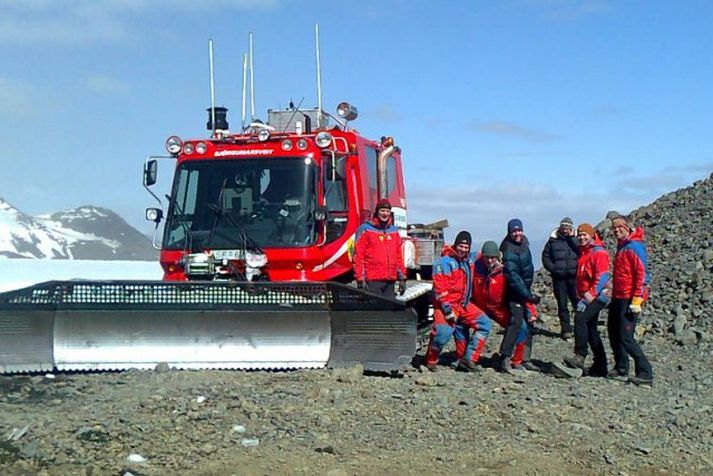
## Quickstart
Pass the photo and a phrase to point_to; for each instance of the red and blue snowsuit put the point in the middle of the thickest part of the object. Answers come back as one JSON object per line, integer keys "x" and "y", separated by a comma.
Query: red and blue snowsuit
{"x": 631, "y": 276}
{"x": 377, "y": 253}
{"x": 489, "y": 294}
{"x": 452, "y": 286}
{"x": 593, "y": 272}
{"x": 630, "y": 283}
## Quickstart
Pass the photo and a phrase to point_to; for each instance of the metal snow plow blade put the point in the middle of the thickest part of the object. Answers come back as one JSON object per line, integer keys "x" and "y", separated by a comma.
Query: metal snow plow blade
{"x": 115, "y": 325}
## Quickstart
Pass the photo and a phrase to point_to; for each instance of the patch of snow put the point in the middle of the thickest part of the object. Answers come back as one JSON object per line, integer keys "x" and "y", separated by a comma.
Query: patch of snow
{"x": 20, "y": 273}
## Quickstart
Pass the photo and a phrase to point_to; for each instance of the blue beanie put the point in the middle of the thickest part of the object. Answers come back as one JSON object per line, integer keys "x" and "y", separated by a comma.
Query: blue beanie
{"x": 514, "y": 224}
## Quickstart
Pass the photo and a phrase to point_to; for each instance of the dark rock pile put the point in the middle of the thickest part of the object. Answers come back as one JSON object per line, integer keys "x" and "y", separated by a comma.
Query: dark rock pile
{"x": 677, "y": 228}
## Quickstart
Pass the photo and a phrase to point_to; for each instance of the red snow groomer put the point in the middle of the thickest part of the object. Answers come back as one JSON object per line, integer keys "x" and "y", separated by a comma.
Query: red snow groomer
{"x": 256, "y": 252}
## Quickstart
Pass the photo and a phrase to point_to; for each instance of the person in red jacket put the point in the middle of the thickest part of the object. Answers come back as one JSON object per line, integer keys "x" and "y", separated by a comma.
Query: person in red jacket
{"x": 378, "y": 257}
{"x": 489, "y": 294}
{"x": 593, "y": 291}
{"x": 454, "y": 314}
{"x": 630, "y": 290}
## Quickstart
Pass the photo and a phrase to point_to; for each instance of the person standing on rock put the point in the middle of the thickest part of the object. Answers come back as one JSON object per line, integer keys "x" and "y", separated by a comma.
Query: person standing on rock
{"x": 378, "y": 255}
{"x": 594, "y": 293}
{"x": 559, "y": 257}
{"x": 454, "y": 314}
{"x": 489, "y": 294}
{"x": 630, "y": 290}
{"x": 519, "y": 273}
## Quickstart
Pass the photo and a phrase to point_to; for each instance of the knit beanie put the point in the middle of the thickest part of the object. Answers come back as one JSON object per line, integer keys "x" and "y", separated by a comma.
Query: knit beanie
{"x": 586, "y": 228}
{"x": 490, "y": 249}
{"x": 514, "y": 224}
{"x": 619, "y": 221}
{"x": 463, "y": 237}
{"x": 383, "y": 203}
{"x": 567, "y": 221}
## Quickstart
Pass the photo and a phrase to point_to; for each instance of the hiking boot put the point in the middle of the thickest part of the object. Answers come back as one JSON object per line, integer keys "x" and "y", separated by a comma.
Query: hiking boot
{"x": 505, "y": 366}
{"x": 618, "y": 374}
{"x": 467, "y": 365}
{"x": 642, "y": 381}
{"x": 530, "y": 366}
{"x": 575, "y": 361}
{"x": 432, "y": 367}
{"x": 567, "y": 335}
{"x": 597, "y": 371}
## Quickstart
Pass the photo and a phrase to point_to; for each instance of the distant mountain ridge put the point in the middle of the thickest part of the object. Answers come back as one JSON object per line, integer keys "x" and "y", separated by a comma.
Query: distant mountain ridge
{"x": 86, "y": 232}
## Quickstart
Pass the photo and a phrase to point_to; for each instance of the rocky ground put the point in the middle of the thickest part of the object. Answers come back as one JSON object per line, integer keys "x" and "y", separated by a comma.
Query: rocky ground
{"x": 341, "y": 422}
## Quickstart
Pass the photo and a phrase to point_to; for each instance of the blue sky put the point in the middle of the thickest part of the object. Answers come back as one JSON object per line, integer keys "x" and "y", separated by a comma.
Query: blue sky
{"x": 528, "y": 108}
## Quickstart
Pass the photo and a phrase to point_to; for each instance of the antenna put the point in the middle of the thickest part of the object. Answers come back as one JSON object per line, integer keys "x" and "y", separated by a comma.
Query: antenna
{"x": 245, "y": 81}
{"x": 252, "y": 79}
{"x": 212, "y": 87}
{"x": 319, "y": 78}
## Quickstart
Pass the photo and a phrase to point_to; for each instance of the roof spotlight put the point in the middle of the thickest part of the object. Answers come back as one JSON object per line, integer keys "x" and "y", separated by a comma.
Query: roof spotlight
{"x": 173, "y": 145}
{"x": 347, "y": 112}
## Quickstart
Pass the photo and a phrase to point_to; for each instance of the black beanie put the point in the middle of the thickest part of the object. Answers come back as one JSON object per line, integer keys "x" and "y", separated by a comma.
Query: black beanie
{"x": 463, "y": 237}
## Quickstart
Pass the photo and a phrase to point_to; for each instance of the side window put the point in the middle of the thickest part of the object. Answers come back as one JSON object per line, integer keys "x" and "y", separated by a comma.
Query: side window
{"x": 391, "y": 174}
{"x": 335, "y": 192}
{"x": 188, "y": 184}
{"x": 373, "y": 178}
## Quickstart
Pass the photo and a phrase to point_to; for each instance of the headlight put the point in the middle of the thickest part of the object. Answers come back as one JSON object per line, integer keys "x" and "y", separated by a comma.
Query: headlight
{"x": 188, "y": 148}
{"x": 302, "y": 144}
{"x": 323, "y": 139}
{"x": 263, "y": 135}
{"x": 173, "y": 145}
{"x": 255, "y": 260}
{"x": 320, "y": 214}
{"x": 201, "y": 148}
{"x": 287, "y": 144}
{"x": 154, "y": 214}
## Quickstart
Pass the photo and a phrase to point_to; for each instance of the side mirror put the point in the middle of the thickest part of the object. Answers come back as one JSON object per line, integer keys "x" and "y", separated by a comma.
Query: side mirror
{"x": 150, "y": 173}
{"x": 321, "y": 215}
{"x": 154, "y": 214}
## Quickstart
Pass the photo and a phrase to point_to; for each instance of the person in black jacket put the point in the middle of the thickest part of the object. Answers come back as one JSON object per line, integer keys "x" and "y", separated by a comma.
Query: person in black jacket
{"x": 519, "y": 272}
{"x": 560, "y": 259}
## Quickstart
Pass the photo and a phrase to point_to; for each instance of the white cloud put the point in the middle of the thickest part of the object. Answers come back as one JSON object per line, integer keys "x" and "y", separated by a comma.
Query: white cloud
{"x": 79, "y": 21}
{"x": 570, "y": 10}
{"x": 105, "y": 84}
{"x": 484, "y": 209}
{"x": 511, "y": 129}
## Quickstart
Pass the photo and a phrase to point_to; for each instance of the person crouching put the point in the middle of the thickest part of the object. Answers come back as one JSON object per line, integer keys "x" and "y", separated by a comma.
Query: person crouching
{"x": 454, "y": 313}
{"x": 489, "y": 294}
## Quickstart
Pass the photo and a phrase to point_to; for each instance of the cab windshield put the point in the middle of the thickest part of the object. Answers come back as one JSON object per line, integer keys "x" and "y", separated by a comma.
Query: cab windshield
{"x": 228, "y": 204}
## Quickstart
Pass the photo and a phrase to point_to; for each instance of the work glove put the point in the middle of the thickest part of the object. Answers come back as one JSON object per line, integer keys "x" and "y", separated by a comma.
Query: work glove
{"x": 635, "y": 306}
{"x": 581, "y": 305}
{"x": 534, "y": 299}
{"x": 402, "y": 287}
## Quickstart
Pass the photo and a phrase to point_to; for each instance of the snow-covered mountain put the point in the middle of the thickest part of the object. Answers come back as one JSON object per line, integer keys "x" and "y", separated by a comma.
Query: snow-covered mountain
{"x": 86, "y": 232}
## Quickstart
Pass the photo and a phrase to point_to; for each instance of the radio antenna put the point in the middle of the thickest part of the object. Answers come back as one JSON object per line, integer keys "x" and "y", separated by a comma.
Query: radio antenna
{"x": 319, "y": 78}
{"x": 252, "y": 79}
{"x": 212, "y": 87}
{"x": 245, "y": 81}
